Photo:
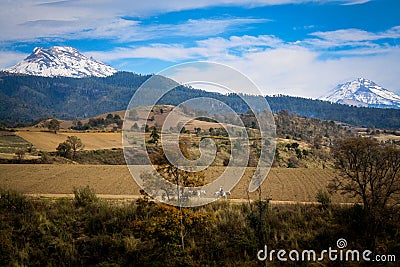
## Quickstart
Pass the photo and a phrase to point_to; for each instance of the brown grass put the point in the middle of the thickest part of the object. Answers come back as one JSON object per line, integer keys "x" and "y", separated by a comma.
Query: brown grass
{"x": 281, "y": 184}
{"x": 47, "y": 141}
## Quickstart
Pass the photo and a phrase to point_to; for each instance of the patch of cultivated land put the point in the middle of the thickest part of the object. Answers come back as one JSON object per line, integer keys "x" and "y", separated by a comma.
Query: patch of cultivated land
{"x": 115, "y": 181}
{"x": 47, "y": 141}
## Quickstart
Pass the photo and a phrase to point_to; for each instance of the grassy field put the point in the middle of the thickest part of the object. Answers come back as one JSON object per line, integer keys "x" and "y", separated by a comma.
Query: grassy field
{"x": 46, "y": 141}
{"x": 299, "y": 185}
{"x": 11, "y": 143}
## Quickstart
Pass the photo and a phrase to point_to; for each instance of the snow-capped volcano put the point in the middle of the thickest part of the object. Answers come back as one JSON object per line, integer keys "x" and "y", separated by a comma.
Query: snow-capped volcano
{"x": 61, "y": 61}
{"x": 363, "y": 92}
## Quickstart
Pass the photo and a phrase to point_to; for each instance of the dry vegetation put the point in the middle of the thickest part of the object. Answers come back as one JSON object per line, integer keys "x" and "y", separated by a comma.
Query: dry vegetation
{"x": 298, "y": 185}
{"x": 311, "y": 170}
{"x": 46, "y": 141}
{"x": 88, "y": 231}
{"x": 77, "y": 227}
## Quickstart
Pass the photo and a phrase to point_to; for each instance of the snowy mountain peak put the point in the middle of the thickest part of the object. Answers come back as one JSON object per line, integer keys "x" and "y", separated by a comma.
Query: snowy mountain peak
{"x": 363, "y": 92}
{"x": 61, "y": 61}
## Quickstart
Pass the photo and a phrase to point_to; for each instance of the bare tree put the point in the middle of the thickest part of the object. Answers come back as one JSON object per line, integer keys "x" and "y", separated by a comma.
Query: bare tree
{"x": 20, "y": 154}
{"x": 369, "y": 170}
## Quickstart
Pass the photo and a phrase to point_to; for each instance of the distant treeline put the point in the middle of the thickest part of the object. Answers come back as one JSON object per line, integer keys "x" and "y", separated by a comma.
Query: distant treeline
{"x": 24, "y": 98}
{"x": 358, "y": 116}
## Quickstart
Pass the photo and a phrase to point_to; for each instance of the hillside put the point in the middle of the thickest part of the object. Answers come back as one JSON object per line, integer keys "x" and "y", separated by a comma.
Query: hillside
{"x": 24, "y": 99}
{"x": 301, "y": 141}
{"x": 356, "y": 116}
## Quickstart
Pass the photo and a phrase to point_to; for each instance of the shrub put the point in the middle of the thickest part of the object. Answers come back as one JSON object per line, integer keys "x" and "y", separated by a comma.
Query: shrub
{"x": 293, "y": 162}
{"x": 324, "y": 198}
{"x": 13, "y": 201}
{"x": 20, "y": 154}
{"x": 84, "y": 196}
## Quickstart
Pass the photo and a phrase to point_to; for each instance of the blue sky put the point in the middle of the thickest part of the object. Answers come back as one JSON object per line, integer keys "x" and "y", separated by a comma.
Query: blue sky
{"x": 295, "y": 47}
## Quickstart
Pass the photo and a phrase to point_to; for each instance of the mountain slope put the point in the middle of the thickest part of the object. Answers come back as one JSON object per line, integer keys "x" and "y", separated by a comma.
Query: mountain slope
{"x": 363, "y": 92}
{"x": 23, "y": 99}
{"x": 61, "y": 61}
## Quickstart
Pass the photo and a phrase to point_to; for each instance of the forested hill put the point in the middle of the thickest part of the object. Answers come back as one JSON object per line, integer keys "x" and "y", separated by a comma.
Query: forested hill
{"x": 358, "y": 116}
{"x": 23, "y": 99}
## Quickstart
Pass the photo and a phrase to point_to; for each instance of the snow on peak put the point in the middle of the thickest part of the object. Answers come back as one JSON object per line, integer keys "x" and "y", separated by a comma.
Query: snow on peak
{"x": 61, "y": 61}
{"x": 363, "y": 92}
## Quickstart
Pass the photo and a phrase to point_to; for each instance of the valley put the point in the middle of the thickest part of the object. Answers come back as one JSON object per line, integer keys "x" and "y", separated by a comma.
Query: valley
{"x": 65, "y": 181}
{"x": 302, "y": 166}
{"x": 200, "y": 133}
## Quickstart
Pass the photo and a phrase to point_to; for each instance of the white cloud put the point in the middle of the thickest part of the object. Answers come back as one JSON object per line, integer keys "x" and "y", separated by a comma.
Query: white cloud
{"x": 244, "y": 42}
{"x": 170, "y": 52}
{"x": 211, "y": 48}
{"x": 207, "y": 27}
{"x": 122, "y": 30}
{"x": 84, "y": 26}
{"x": 10, "y": 58}
{"x": 355, "y": 35}
{"x": 299, "y": 71}
{"x": 351, "y": 42}
{"x": 29, "y": 20}
{"x": 298, "y": 68}
{"x": 154, "y": 7}
{"x": 278, "y": 67}
{"x": 355, "y": 2}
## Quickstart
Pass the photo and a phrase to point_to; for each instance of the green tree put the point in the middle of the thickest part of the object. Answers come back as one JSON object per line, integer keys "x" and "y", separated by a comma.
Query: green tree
{"x": 294, "y": 145}
{"x": 53, "y": 125}
{"x": 75, "y": 144}
{"x": 77, "y": 125}
{"x": 145, "y": 128}
{"x": 64, "y": 149}
{"x": 197, "y": 130}
{"x": 154, "y": 136}
{"x": 109, "y": 118}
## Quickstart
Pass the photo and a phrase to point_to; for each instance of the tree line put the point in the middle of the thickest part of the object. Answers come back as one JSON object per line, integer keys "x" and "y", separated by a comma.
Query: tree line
{"x": 26, "y": 98}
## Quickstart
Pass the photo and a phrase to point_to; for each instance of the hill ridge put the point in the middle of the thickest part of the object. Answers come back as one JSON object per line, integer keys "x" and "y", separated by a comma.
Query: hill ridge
{"x": 25, "y": 98}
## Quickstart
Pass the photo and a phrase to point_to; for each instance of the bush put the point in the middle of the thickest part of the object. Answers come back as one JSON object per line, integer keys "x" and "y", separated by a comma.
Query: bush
{"x": 20, "y": 153}
{"x": 293, "y": 162}
{"x": 324, "y": 198}
{"x": 84, "y": 196}
{"x": 13, "y": 201}
{"x": 36, "y": 232}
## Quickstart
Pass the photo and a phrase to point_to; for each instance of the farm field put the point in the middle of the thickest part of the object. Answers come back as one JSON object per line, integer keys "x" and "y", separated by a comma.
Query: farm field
{"x": 115, "y": 181}
{"x": 46, "y": 141}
